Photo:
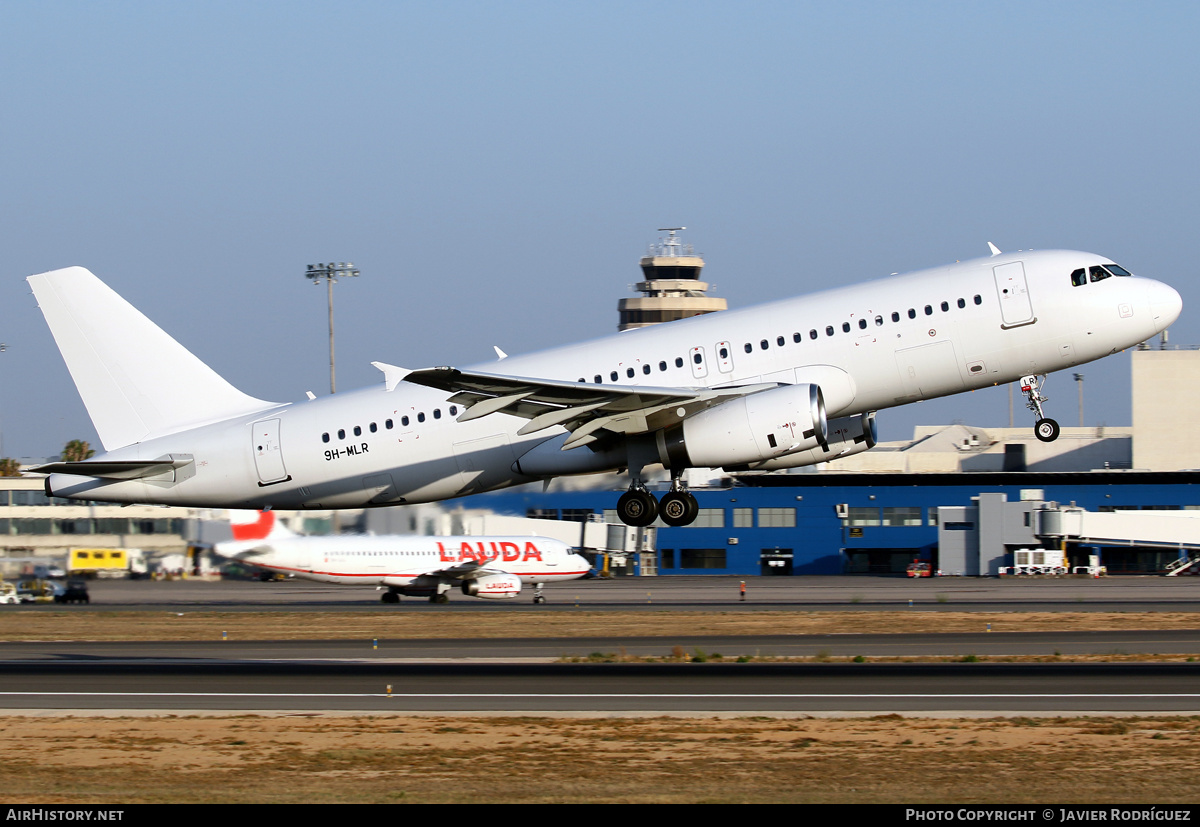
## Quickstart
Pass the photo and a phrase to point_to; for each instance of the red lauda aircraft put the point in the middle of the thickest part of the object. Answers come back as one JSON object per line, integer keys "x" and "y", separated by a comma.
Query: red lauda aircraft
{"x": 780, "y": 385}
{"x": 488, "y": 567}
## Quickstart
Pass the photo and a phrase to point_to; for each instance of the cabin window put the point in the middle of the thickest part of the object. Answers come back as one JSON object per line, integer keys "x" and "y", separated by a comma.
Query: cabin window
{"x": 829, "y": 330}
{"x": 373, "y": 427}
{"x": 646, "y": 368}
{"x": 749, "y": 347}
{"x": 812, "y": 334}
{"x": 945, "y": 307}
{"x": 678, "y": 361}
{"x": 763, "y": 344}
{"x": 796, "y": 337}
{"x": 629, "y": 372}
{"x": 437, "y": 413}
{"x": 845, "y": 327}
{"x": 962, "y": 303}
{"x": 1117, "y": 270}
{"x": 912, "y": 314}
{"x": 662, "y": 365}
{"x": 357, "y": 430}
{"x": 929, "y": 310}
{"x": 421, "y": 416}
{"x": 613, "y": 376}
{"x": 862, "y": 324}
{"x": 978, "y": 299}
{"x": 325, "y": 437}
{"x": 404, "y": 421}
{"x": 597, "y": 379}
{"x": 341, "y": 433}
{"x": 1098, "y": 274}
{"x": 387, "y": 423}
{"x": 698, "y": 358}
{"x": 879, "y": 321}
{"x": 779, "y": 340}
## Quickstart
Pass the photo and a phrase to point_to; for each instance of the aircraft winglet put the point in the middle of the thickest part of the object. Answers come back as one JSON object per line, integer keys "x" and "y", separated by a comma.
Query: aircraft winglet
{"x": 995, "y": 250}
{"x": 392, "y": 375}
{"x": 500, "y": 354}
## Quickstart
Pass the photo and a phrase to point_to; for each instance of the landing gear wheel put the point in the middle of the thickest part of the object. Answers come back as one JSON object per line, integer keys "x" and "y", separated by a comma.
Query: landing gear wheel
{"x": 439, "y": 598}
{"x": 539, "y": 599}
{"x": 389, "y": 597}
{"x": 1046, "y": 430}
{"x": 678, "y": 508}
{"x": 637, "y": 508}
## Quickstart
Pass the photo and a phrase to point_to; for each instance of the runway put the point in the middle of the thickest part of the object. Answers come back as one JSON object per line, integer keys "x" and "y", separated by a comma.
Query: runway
{"x": 991, "y": 689}
{"x": 529, "y": 675}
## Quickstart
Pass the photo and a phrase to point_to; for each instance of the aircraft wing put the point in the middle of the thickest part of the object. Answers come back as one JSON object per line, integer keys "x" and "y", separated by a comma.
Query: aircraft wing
{"x": 466, "y": 570}
{"x": 584, "y": 409}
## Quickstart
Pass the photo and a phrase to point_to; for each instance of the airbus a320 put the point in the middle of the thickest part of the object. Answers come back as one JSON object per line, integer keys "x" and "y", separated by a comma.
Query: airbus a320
{"x": 779, "y": 385}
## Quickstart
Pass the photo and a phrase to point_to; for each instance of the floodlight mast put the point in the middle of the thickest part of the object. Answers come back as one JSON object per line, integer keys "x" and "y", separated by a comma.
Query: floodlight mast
{"x": 331, "y": 272}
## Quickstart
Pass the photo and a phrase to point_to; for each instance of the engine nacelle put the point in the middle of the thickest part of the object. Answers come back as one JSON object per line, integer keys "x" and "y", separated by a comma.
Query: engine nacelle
{"x": 493, "y": 586}
{"x": 749, "y": 429}
{"x": 847, "y": 436}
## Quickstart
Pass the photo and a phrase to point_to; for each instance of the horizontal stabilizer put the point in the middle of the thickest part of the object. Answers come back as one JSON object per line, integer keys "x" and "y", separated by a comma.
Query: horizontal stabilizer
{"x": 126, "y": 469}
{"x": 136, "y": 381}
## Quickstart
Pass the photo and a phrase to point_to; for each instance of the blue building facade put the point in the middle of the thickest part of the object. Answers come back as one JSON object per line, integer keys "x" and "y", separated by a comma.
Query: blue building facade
{"x": 805, "y": 524}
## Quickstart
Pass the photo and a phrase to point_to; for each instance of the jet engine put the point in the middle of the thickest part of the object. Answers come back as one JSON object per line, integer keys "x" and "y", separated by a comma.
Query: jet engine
{"x": 749, "y": 429}
{"x": 493, "y": 586}
{"x": 848, "y": 435}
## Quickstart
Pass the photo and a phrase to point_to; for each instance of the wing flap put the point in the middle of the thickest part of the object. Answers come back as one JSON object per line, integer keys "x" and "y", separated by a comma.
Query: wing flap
{"x": 583, "y": 409}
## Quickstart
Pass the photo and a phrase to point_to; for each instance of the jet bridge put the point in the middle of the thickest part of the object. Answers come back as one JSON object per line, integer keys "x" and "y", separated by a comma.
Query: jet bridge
{"x": 1155, "y": 529}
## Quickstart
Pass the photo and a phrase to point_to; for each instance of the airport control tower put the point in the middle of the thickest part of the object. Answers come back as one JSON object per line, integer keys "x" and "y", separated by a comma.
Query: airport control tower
{"x": 672, "y": 288}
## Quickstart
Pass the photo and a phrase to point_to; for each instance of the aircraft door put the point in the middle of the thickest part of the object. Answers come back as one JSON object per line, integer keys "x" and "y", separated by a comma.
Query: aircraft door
{"x": 724, "y": 357}
{"x": 699, "y": 366}
{"x": 268, "y": 452}
{"x": 1016, "y": 309}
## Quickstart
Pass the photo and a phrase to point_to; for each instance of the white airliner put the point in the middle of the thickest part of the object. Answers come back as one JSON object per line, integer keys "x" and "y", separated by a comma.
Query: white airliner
{"x": 487, "y": 567}
{"x": 779, "y": 385}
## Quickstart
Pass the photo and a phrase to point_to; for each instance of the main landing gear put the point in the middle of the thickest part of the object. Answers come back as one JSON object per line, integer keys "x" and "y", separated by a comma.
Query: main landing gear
{"x": 1045, "y": 429}
{"x": 637, "y": 506}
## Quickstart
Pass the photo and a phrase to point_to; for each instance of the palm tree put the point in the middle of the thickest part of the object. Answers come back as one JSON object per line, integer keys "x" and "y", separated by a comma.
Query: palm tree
{"x": 9, "y": 467}
{"x": 76, "y": 451}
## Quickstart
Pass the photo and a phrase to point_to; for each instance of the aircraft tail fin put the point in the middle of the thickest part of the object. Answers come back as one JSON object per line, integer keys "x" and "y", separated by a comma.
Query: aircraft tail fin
{"x": 136, "y": 381}
{"x": 257, "y": 525}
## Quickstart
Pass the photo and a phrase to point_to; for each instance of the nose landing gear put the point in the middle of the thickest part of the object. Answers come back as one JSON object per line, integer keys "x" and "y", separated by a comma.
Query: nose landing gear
{"x": 1045, "y": 429}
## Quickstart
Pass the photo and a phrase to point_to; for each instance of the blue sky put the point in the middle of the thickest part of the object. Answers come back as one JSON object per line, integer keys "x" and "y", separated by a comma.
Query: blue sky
{"x": 496, "y": 169}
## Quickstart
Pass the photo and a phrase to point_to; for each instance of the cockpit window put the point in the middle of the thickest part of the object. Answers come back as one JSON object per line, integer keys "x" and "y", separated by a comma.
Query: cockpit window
{"x": 1098, "y": 274}
{"x": 1117, "y": 270}
{"x": 1079, "y": 278}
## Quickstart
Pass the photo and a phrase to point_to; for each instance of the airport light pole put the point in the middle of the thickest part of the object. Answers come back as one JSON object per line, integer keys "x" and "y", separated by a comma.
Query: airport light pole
{"x": 331, "y": 272}
{"x": 3, "y": 347}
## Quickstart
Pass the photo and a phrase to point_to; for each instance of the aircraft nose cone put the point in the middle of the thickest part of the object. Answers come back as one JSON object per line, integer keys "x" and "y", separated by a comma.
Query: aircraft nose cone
{"x": 1165, "y": 305}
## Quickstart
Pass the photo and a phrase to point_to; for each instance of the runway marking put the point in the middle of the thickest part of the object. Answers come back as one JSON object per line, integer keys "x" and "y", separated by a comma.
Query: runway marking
{"x": 923, "y": 696}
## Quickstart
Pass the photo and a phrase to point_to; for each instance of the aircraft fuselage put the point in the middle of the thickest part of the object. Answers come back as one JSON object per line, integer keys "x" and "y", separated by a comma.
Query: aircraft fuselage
{"x": 869, "y": 347}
